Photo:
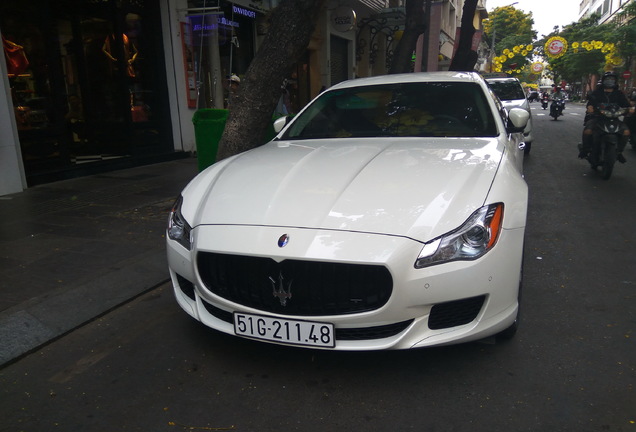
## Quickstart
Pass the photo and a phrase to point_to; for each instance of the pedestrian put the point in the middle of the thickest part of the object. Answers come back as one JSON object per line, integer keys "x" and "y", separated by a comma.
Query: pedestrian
{"x": 234, "y": 84}
{"x": 284, "y": 105}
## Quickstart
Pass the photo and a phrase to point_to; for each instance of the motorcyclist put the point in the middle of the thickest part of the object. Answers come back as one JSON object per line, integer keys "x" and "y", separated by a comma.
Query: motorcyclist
{"x": 545, "y": 97}
{"x": 607, "y": 92}
{"x": 556, "y": 95}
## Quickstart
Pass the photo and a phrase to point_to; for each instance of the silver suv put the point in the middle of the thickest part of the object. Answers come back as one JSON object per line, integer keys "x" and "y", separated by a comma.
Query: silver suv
{"x": 511, "y": 94}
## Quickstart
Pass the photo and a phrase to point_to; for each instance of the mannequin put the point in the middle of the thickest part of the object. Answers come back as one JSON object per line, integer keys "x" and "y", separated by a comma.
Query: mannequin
{"x": 17, "y": 62}
{"x": 130, "y": 52}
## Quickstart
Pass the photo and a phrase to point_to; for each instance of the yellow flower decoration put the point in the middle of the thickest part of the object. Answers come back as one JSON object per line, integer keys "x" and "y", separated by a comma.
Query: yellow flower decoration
{"x": 618, "y": 61}
{"x": 556, "y": 46}
{"x": 516, "y": 50}
{"x": 585, "y": 44}
{"x": 598, "y": 45}
{"x": 524, "y": 53}
{"x": 575, "y": 45}
{"x": 506, "y": 51}
{"x": 529, "y": 48}
{"x": 511, "y": 55}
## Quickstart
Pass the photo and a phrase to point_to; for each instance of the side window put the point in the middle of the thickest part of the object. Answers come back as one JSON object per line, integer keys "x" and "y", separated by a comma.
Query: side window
{"x": 500, "y": 108}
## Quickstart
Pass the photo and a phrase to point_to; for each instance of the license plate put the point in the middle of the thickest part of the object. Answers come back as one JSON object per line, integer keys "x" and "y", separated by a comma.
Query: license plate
{"x": 287, "y": 331}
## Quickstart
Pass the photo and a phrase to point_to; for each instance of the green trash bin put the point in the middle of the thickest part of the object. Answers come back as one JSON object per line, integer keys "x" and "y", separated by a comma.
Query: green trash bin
{"x": 208, "y": 128}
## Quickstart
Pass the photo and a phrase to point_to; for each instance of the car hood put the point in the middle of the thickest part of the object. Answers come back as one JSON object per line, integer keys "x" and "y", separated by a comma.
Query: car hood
{"x": 413, "y": 187}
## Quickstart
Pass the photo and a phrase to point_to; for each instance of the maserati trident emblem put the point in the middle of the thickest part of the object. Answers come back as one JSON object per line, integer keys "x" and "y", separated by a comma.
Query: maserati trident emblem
{"x": 278, "y": 289}
{"x": 283, "y": 240}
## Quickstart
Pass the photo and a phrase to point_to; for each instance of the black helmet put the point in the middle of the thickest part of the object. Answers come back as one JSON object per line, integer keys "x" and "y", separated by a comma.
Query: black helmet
{"x": 610, "y": 80}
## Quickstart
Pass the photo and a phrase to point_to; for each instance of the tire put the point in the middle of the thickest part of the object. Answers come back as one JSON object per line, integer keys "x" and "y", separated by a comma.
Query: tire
{"x": 510, "y": 332}
{"x": 609, "y": 159}
{"x": 554, "y": 114}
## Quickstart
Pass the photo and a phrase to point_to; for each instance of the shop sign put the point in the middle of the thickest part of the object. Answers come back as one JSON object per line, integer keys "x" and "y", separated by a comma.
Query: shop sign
{"x": 245, "y": 12}
{"x": 343, "y": 19}
{"x": 202, "y": 25}
{"x": 253, "y": 6}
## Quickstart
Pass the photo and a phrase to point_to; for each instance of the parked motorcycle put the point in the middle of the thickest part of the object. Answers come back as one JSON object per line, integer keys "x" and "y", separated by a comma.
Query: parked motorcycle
{"x": 606, "y": 135}
{"x": 544, "y": 102}
{"x": 556, "y": 108}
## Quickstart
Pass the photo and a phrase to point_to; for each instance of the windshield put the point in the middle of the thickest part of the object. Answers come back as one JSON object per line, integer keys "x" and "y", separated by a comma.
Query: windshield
{"x": 455, "y": 109}
{"x": 507, "y": 90}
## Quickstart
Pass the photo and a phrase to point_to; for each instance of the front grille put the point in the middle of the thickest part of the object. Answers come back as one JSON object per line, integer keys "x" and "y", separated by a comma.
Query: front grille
{"x": 455, "y": 313}
{"x": 316, "y": 288}
{"x": 362, "y": 333}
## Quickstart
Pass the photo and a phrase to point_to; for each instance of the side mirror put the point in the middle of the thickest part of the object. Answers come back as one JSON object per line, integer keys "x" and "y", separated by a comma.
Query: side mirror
{"x": 517, "y": 120}
{"x": 280, "y": 123}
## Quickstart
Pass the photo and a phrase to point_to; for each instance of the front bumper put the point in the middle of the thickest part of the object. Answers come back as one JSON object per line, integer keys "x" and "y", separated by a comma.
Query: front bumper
{"x": 494, "y": 278}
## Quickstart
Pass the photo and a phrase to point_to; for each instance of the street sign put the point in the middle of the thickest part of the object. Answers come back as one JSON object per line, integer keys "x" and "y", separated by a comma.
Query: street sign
{"x": 627, "y": 74}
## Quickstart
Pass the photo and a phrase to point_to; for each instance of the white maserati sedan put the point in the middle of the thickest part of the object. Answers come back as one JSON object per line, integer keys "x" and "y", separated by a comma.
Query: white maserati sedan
{"x": 388, "y": 214}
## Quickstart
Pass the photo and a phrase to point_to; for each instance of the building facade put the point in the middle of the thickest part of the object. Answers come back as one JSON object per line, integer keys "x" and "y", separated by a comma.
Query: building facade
{"x": 609, "y": 10}
{"x": 606, "y": 9}
{"x": 97, "y": 85}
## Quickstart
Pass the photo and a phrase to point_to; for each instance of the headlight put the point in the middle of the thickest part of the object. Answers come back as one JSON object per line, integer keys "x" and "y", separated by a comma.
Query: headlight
{"x": 178, "y": 228}
{"x": 470, "y": 241}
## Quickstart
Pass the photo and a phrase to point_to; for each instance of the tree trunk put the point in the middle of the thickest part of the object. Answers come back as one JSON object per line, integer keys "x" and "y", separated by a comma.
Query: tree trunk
{"x": 413, "y": 28}
{"x": 465, "y": 57}
{"x": 292, "y": 24}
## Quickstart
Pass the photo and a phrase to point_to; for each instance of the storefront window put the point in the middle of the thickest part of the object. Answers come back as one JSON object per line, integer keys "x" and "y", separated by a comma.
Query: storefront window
{"x": 221, "y": 42}
{"x": 87, "y": 79}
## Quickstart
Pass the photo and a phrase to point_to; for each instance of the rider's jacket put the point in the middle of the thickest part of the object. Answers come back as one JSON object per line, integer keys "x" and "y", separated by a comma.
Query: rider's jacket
{"x": 600, "y": 96}
{"x": 558, "y": 96}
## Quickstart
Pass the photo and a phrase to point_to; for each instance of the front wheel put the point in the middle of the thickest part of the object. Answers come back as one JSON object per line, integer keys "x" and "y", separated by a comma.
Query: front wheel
{"x": 609, "y": 159}
{"x": 509, "y": 332}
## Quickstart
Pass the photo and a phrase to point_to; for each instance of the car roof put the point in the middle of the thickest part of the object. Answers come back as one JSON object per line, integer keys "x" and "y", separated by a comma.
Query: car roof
{"x": 412, "y": 78}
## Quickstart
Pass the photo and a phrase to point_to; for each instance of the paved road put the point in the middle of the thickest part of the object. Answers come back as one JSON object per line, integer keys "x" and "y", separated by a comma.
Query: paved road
{"x": 148, "y": 367}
